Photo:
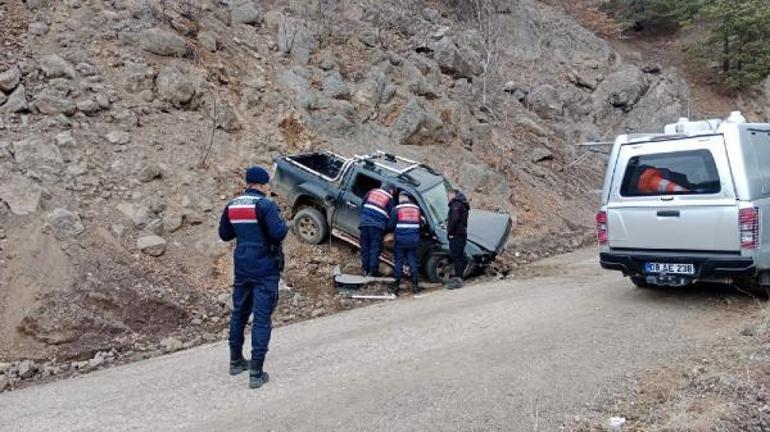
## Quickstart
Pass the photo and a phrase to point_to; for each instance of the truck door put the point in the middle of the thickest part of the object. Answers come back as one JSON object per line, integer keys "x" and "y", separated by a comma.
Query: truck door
{"x": 350, "y": 201}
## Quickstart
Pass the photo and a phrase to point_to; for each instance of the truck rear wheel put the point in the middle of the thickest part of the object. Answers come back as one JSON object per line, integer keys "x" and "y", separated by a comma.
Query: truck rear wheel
{"x": 310, "y": 226}
{"x": 753, "y": 287}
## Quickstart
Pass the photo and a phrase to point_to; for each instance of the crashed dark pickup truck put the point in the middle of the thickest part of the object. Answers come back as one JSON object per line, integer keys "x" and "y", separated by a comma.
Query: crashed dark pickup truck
{"x": 326, "y": 190}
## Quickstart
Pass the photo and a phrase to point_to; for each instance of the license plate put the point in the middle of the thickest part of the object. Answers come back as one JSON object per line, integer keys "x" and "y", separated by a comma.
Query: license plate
{"x": 687, "y": 269}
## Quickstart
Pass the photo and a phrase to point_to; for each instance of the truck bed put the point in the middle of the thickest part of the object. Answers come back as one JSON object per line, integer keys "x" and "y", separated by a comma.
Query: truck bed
{"x": 326, "y": 164}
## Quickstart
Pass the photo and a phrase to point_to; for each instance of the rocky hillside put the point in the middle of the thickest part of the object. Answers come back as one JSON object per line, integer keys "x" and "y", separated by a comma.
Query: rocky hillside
{"x": 125, "y": 126}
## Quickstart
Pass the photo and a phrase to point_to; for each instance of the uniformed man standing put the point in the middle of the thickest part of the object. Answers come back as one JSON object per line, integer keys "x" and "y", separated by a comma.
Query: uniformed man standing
{"x": 256, "y": 224}
{"x": 373, "y": 221}
{"x": 405, "y": 222}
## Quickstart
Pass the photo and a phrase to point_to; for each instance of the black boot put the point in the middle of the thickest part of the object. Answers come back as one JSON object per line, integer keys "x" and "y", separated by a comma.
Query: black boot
{"x": 416, "y": 286}
{"x": 395, "y": 287}
{"x": 238, "y": 364}
{"x": 257, "y": 377}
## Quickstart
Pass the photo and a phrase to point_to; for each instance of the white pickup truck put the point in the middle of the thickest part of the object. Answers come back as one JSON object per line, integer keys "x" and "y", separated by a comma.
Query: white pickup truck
{"x": 689, "y": 205}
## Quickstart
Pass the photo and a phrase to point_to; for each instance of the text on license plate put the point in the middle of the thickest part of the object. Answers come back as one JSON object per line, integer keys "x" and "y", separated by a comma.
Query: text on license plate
{"x": 651, "y": 267}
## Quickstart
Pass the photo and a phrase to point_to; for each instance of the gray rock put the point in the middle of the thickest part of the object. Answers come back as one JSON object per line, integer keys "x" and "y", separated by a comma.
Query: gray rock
{"x": 151, "y": 245}
{"x": 5, "y": 383}
{"x": 317, "y": 312}
{"x": 539, "y": 154}
{"x": 208, "y": 40}
{"x": 65, "y": 224}
{"x": 622, "y": 88}
{"x": 10, "y": 79}
{"x": 50, "y": 103}
{"x": 35, "y": 149}
{"x": 27, "y": 369}
{"x": 21, "y": 194}
{"x": 88, "y": 106}
{"x": 17, "y": 101}
{"x": 54, "y": 66}
{"x": 295, "y": 79}
{"x": 431, "y": 15}
{"x": 175, "y": 87}
{"x": 172, "y": 221}
{"x": 96, "y": 361}
{"x": 334, "y": 87}
{"x": 118, "y": 137}
{"x": 546, "y": 102}
{"x": 65, "y": 140}
{"x": 150, "y": 172}
{"x": 138, "y": 215}
{"x": 86, "y": 69}
{"x": 416, "y": 126}
{"x": 244, "y": 12}
{"x": 5, "y": 151}
{"x": 102, "y": 100}
{"x": 227, "y": 119}
{"x": 164, "y": 43}
{"x": 38, "y": 28}
{"x": 455, "y": 61}
{"x": 3, "y": 98}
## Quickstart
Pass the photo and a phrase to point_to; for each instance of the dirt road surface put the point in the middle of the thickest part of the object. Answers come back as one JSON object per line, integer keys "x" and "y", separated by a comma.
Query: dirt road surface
{"x": 504, "y": 356}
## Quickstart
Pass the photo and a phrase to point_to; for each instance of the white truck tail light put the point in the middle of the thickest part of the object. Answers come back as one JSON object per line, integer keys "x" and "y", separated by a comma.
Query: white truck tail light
{"x": 601, "y": 228}
{"x": 748, "y": 223}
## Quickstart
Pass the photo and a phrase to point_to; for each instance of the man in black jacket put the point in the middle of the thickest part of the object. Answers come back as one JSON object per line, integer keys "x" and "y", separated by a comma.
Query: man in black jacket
{"x": 457, "y": 232}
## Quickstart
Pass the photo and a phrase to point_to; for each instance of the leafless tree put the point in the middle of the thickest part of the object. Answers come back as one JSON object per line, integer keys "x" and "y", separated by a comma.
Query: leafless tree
{"x": 206, "y": 148}
{"x": 488, "y": 24}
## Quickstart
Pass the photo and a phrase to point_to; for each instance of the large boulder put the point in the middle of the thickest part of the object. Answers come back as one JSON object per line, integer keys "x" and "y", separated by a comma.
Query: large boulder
{"x": 21, "y": 194}
{"x": 454, "y": 60}
{"x": 545, "y": 100}
{"x": 621, "y": 89}
{"x": 664, "y": 102}
{"x": 164, "y": 43}
{"x": 417, "y": 126}
{"x": 175, "y": 86}
{"x": 17, "y": 101}
{"x": 244, "y": 12}
{"x": 64, "y": 223}
{"x": 151, "y": 245}
{"x": 10, "y": 79}
{"x": 36, "y": 149}
{"x": 54, "y": 66}
{"x": 334, "y": 87}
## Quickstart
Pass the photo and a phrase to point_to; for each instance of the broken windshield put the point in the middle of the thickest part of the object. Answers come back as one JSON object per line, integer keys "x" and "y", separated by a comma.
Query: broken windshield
{"x": 437, "y": 202}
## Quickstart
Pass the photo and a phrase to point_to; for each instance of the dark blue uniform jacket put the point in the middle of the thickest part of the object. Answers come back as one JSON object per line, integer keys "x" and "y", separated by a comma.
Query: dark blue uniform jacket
{"x": 256, "y": 223}
{"x": 405, "y": 222}
{"x": 375, "y": 211}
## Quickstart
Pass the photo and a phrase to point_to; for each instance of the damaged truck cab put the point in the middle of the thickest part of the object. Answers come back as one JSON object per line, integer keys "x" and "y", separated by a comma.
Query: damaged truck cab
{"x": 326, "y": 191}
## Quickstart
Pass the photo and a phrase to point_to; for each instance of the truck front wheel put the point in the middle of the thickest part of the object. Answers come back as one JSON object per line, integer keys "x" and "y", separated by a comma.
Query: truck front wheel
{"x": 310, "y": 226}
{"x": 438, "y": 268}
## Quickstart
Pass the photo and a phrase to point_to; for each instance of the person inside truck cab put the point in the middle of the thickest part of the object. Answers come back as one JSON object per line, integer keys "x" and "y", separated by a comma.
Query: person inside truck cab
{"x": 655, "y": 181}
{"x": 373, "y": 222}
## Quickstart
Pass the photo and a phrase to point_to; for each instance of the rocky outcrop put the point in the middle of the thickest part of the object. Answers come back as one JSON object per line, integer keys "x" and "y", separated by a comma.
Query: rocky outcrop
{"x": 417, "y": 126}
{"x": 10, "y": 79}
{"x": 175, "y": 86}
{"x": 65, "y": 224}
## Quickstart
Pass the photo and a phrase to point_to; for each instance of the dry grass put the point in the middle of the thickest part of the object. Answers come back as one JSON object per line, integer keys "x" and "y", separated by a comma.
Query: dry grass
{"x": 725, "y": 388}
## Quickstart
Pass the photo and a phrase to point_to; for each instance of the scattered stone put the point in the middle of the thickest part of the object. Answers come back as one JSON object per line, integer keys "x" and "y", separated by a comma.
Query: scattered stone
{"x": 17, "y": 101}
{"x": 150, "y": 172}
{"x": 334, "y": 87}
{"x": 546, "y": 102}
{"x": 10, "y": 79}
{"x": 175, "y": 87}
{"x": 227, "y": 119}
{"x": 27, "y": 369}
{"x": 21, "y": 194}
{"x": 164, "y": 43}
{"x": 38, "y": 28}
{"x": 48, "y": 103}
{"x": 459, "y": 63}
{"x": 138, "y": 215}
{"x": 88, "y": 106}
{"x": 65, "y": 140}
{"x": 54, "y": 66}
{"x": 622, "y": 88}
{"x": 118, "y": 137}
{"x": 3, "y": 98}
{"x": 208, "y": 40}
{"x": 417, "y": 126}
{"x": 86, "y": 69}
{"x": 431, "y": 15}
{"x": 540, "y": 154}
{"x": 171, "y": 344}
{"x": 317, "y": 312}
{"x": 65, "y": 224}
{"x": 172, "y": 222}
{"x": 36, "y": 149}
{"x": 5, "y": 383}
{"x": 102, "y": 100}
{"x": 96, "y": 361}
{"x": 151, "y": 245}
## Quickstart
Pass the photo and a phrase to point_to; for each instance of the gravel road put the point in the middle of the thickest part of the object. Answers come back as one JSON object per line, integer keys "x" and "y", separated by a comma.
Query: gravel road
{"x": 518, "y": 355}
